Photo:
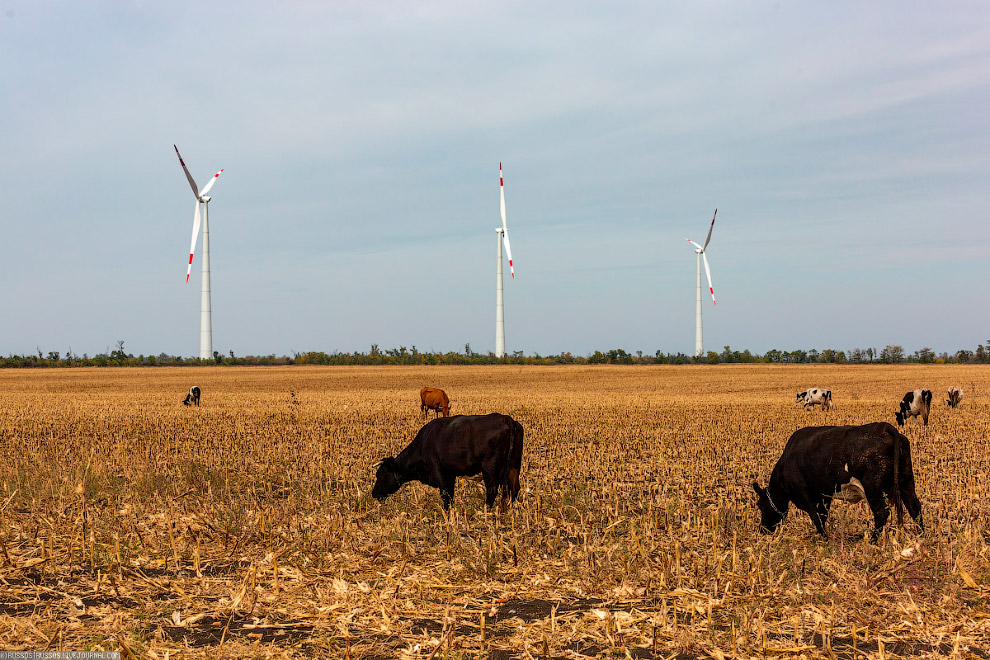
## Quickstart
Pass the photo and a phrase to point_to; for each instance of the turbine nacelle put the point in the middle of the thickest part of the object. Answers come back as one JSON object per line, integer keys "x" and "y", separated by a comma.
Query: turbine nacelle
{"x": 205, "y": 199}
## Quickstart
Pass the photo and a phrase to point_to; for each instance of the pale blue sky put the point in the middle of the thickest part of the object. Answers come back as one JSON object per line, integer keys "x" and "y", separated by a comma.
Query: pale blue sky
{"x": 845, "y": 144}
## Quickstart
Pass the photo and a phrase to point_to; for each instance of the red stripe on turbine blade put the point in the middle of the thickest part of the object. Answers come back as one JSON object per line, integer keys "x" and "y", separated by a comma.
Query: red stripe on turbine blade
{"x": 712, "y": 291}
{"x": 190, "y": 258}
{"x": 187, "y": 278}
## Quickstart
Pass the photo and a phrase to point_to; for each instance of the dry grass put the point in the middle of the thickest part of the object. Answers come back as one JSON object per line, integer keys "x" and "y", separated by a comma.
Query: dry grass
{"x": 244, "y": 528}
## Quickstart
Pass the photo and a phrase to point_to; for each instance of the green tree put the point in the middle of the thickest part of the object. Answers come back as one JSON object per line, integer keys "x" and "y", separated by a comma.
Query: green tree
{"x": 892, "y": 354}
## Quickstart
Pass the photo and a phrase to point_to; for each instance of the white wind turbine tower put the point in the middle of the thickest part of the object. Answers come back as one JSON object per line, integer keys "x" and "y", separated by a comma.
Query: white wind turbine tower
{"x": 503, "y": 237}
{"x": 205, "y": 317}
{"x": 700, "y": 251}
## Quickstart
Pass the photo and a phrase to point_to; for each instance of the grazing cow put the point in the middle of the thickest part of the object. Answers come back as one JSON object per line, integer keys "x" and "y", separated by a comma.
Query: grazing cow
{"x": 432, "y": 398}
{"x": 914, "y": 404}
{"x": 816, "y": 396}
{"x": 955, "y": 397}
{"x": 459, "y": 446}
{"x": 192, "y": 397}
{"x": 854, "y": 463}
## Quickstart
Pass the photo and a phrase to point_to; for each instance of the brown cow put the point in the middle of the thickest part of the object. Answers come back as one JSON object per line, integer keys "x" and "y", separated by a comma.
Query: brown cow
{"x": 432, "y": 398}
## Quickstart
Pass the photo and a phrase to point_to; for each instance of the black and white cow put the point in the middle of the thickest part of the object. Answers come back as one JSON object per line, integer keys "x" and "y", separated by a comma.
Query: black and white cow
{"x": 914, "y": 404}
{"x": 955, "y": 396}
{"x": 192, "y": 397}
{"x": 816, "y": 396}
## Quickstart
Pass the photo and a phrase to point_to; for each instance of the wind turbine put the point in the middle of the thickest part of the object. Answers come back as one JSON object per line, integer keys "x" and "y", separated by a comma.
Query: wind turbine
{"x": 700, "y": 251}
{"x": 205, "y": 317}
{"x": 503, "y": 237}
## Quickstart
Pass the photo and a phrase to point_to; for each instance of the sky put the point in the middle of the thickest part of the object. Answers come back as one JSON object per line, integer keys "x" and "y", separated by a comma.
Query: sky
{"x": 844, "y": 144}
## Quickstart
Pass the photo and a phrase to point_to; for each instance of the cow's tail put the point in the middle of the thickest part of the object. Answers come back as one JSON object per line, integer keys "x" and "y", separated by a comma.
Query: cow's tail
{"x": 508, "y": 485}
{"x": 898, "y": 504}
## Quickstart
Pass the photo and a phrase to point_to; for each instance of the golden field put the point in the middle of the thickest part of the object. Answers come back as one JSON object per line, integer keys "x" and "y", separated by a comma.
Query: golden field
{"x": 245, "y": 528}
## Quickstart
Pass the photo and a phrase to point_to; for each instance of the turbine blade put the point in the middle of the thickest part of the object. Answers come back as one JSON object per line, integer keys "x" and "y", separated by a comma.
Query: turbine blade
{"x": 192, "y": 246}
{"x": 708, "y": 272}
{"x": 501, "y": 191}
{"x": 192, "y": 184}
{"x": 710, "y": 230}
{"x": 508, "y": 252}
{"x": 694, "y": 244}
{"x": 209, "y": 185}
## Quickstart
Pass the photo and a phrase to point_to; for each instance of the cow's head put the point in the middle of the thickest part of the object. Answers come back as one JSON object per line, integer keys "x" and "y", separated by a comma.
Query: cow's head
{"x": 446, "y": 410}
{"x": 899, "y": 416}
{"x": 800, "y": 395}
{"x": 771, "y": 514}
{"x": 386, "y": 479}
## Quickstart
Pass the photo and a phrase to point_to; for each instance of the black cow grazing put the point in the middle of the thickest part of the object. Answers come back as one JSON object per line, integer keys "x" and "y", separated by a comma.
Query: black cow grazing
{"x": 816, "y": 396}
{"x": 459, "y": 446}
{"x": 819, "y": 463}
{"x": 192, "y": 397}
{"x": 914, "y": 404}
{"x": 955, "y": 397}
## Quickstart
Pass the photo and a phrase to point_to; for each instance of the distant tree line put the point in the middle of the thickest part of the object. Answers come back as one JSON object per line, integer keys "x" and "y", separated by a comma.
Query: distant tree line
{"x": 119, "y": 357}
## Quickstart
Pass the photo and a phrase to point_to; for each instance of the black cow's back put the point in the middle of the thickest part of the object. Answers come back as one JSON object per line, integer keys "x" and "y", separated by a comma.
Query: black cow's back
{"x": 831, "y": 454}
{"x": 463, "y": 443}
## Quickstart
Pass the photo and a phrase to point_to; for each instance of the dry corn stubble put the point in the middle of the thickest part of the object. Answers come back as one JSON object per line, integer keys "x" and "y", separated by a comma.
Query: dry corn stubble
{"x": 244, "y": 527}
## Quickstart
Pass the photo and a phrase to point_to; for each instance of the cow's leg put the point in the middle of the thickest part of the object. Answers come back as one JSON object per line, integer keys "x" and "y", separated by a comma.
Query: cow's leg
{"x": 804, "y": 503}
{"x": 447, "y": 490}
{"x": 878, "y": 504}
{"x": 514, "y": 481}
{"x": 491, "y": 489}
{"x": 820, "y": 517}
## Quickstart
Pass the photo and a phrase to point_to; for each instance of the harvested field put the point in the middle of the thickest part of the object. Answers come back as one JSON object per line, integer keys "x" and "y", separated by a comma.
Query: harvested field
{"x": 245, "y": 528}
